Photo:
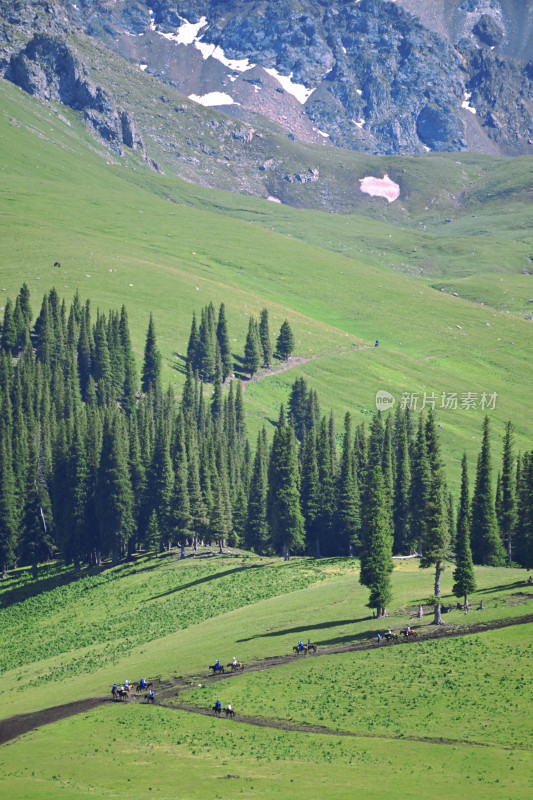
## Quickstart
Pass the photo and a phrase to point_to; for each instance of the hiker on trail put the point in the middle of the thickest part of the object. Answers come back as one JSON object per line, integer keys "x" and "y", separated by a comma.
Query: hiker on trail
{"x": 379, "y": 638}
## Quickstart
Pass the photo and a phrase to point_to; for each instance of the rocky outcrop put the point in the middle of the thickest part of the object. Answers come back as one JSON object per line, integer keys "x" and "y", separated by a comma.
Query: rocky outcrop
{"x": 384, "y": 77}
{"x": 48, "y": 69}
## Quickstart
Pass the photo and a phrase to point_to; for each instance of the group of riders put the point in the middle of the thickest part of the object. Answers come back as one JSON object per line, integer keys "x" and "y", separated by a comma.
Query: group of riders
{"x": 302, "y": 646}
{"x": 126, "y": 687}
{"x": 391, "y": 635}
{"x": 218, "y": 666}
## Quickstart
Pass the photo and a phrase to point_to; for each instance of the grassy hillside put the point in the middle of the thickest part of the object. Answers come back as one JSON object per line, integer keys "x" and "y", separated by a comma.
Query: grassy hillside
{"x": 124, "y": 234}
{"x": 421, "y": 714}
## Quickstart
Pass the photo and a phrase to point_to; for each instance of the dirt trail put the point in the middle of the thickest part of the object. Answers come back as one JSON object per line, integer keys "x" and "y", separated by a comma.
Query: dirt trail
{"x": 297, "y": 361}
{"x": 15, "y": 726}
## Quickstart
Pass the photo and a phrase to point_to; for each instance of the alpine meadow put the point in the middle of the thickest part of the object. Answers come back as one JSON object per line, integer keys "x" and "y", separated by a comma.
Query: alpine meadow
{"x": 266, "y": 430}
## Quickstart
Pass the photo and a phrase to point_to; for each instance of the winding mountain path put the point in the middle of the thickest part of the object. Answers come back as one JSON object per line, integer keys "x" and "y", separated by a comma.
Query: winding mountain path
{"x": 16, "y": 726}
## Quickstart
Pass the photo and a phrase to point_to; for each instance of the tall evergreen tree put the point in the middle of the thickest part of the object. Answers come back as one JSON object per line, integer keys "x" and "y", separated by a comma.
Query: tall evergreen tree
{"x": 151, "y": 374}
{"x": 463, "y": 575}
{"x": 266, "y": 342}
{"x": 7, "y": 509}
{"x": 224, "y": 344}
{"x": 8, "y": 338}
{"x": 420, "y": 487}
{"x": 256, "y": 531}
{"x": 310, "y": 494}
{"x": 252, "y": 349}
{"x": 193, "y": 346}
{"x": 346, "y": 519}
{"x": 284, "y": 342}
{"x": 487, "y": 547}
{"x": 436, "y": 536}
{"x": 285, "y": 518}
{"x": 402, "y": 487}
{"x": 326, "y": 504}
{"x": 25, "y": 305}
{"x": 129, "y": 387}
{"x": 114, "y": 496}
{"x": 376, "y": 546}
{"x": 508, "y": 484}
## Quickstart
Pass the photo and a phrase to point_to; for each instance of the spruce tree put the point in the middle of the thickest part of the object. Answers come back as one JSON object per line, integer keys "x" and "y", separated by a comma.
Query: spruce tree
{"x": 376, "y": 545}
{"x": 285, "y": 518}
{"x": 129, "y": 387}
{"x": 256, "y": 531}
{"x": 7, "y": 509}
{"x": 114, "y": 496}
{"x": 463, "y": 575}
{"x": 420, "y": 486}
{"x": 436, "y": 536}
{"x": 310, "y": 494}
{"x": 223, "y": 343}
{"x": 25, "y": 304}
{"x": 346, "y": 519}
{"x": 402, "y": 487}
{"x": 284, "y": 342}
{"x": 151, "y": 373}
{"x": 8, "y": 338}
{"x": 266, "y": 342}
{"x": 508, "y": 492}
{"x": 326, "y": 505}
{"x": 252, "y": 349}
{"x": 487, "y": 547}
{"x": 193, "y": 347}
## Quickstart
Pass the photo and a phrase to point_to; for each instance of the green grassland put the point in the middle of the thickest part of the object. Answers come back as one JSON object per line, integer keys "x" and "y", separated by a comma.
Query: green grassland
{"x": 124, "y": 234}
{"x": 443, "y": 715}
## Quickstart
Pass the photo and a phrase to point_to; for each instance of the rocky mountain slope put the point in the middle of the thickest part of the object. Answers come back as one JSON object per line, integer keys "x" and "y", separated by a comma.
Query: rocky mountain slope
{"x": 375, "y": 76}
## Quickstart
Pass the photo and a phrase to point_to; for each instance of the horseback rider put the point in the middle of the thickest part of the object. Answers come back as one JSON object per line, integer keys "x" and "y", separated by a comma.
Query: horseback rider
{"x": 142, "y": 683}
{"x": 114, "y": 690}
{"x": 235, "y": 662}
{"x": 151, "y": 694}
{"x": 408, "y": 630}
{"x": 126, "y": 684}
{"x": 308, "y": 642}
{"x": 300, "y": 645}
{"x": 217, "y": 664}
{"x": 229, "y": 706}
{"x": 218, "y": 705}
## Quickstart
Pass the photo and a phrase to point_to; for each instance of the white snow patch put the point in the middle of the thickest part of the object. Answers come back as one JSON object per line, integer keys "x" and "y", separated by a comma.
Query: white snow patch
{"x": 213, "y": 99}
{"x": 143, "y": 66}
{"x": 322, "y": 133}
{"x": 359, "y": 124}
{"x": 466, "y": 103}
{"x": 359, "y": 92}
{"x": 427, "y": 149}
{"x": 298, "y": 90}
{"x": 273, "y": 199}
{"x": 188, "y": 33}
{"x": 380, "y": 187}
{"x": 152, "y": 19}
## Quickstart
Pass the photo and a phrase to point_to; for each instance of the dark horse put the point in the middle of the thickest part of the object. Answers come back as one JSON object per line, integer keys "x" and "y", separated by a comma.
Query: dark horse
{"x": 229, "y": 712}
{"x": 150, "y": 698}
{"x": 216, "y": 669}
{"x": 391, "y": 637}
{"x": 217, "y": 710}
{"x": 140, "y": 688}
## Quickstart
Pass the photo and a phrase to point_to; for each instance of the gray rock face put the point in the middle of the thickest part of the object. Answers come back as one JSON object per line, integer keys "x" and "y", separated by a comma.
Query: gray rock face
{"x": 382, "y": 81}
{"x": 48, "y": 69}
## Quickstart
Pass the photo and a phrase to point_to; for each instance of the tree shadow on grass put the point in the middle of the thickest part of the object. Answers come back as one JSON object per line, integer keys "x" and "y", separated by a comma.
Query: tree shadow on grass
{"x": 305, "y": 631}
{"x": 501, "y": 587}
{"x": 207, "y": 579}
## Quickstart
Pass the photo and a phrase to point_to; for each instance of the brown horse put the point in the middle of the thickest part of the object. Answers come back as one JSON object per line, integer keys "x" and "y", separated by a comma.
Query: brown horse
{"x": 238, "y": 667}
{"x": 409, "y": 634}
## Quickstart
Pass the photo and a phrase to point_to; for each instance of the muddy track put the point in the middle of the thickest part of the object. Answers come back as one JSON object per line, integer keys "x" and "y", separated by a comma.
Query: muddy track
{"x": 15, "y": 726}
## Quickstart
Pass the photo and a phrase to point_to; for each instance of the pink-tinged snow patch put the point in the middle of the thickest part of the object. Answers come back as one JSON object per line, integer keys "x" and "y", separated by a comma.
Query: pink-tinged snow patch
{"x": 380, "y": 187}
{"x": 273, "y": 199}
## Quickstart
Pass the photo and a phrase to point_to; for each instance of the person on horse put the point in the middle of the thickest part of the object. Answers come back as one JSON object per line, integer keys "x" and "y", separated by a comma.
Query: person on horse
{"x": 142, "y": 683}
{"x": 408, "y": 630}
{"x": 151, "y": 694}
{"x": 300, "y": 645}
{"x": 235, "y": 662}
{"x": 114, "y": 690}
{"x": 217, "y": 664}
{"x": 218, "y": 705}
{"x": 126, "y": 684}
{"x": 308, "y": 642}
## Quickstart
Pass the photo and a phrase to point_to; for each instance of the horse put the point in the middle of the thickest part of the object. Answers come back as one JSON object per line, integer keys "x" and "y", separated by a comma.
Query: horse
{"x": 140, "y": 688}
{"x": 409, "y": 634}
{"x": 216, "y": 669}
{"x": 312, "y": 647}
{"x": 123, "y": 693}
{"x": 297, "y": 649}
{"x": 391, "y": 637}
{"x": 239, "y": 666}
{"x": 217, "y": 710}
{"x": 229, "y": 712}
{"x": 150, "y": 698}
